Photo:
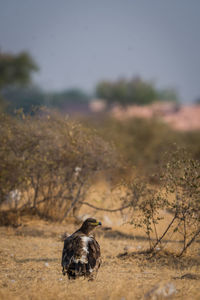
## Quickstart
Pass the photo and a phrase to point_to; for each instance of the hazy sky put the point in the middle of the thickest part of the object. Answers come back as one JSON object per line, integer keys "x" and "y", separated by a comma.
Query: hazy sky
{"x": 78, "y": 42}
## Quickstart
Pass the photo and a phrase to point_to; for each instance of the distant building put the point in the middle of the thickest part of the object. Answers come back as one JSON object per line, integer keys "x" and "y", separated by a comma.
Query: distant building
{"x": 97, "y": 105}
{"x": 185, "y": 117}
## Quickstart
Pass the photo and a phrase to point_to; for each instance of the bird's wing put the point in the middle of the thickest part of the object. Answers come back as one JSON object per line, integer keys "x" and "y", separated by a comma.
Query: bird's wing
{"x": 94, "y": 254}
{"x": 71, "y": 250}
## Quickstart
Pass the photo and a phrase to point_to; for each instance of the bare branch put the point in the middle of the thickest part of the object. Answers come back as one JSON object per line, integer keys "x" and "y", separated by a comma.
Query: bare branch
{"x": 105, "y": 209}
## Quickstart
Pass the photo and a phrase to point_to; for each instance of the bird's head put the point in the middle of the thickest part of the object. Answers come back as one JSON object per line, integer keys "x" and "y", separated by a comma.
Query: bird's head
{"x": 89, "y": 224}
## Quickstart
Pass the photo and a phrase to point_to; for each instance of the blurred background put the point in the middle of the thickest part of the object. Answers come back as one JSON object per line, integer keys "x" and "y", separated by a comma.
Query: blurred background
{"x": 73, "y": 52}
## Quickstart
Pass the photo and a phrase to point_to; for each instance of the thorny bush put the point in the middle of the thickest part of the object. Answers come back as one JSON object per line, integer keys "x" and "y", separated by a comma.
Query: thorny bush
{"x": 177, "y": 194}
{"x": 142, "y": 142}
{"x": 51, "y": 161}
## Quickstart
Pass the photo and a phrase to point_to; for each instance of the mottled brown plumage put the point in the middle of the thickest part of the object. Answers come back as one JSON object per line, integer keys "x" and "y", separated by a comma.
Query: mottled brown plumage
{"x": 81, "y": 253}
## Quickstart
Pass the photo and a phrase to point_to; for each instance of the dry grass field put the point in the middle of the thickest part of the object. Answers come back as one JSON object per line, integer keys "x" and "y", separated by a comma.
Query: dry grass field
{"x": 30, "y": 264}
{"x": 30, "y": 257}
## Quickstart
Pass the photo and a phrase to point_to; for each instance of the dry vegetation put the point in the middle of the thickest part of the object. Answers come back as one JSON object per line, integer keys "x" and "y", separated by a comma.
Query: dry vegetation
{"x": 30, "y": 265}
{"x": 54, "y": 197}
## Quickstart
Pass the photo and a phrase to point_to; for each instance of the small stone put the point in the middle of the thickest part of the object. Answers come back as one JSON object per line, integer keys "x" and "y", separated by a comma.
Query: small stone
{"x": 162, "y": 290}
{"x": 12, "y": 280}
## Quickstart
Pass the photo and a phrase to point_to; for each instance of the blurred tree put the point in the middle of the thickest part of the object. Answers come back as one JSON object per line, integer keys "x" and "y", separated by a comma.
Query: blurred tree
{"x": 104, "y": 90}
{"x": 133, "y": 91}
{"x": 15, "y": 70}
{"x": 28, "y": 97}
{"x": 169, "y": 94}
{"x": 141, "y": 92}
{"x": 23, "y": 97}
{"x": 63, "y": 98}
{"x": 123, "y": 91}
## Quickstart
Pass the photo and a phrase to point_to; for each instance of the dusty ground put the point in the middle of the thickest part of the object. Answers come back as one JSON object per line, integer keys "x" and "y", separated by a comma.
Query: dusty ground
{"x": 30, "y": 265}
{"x": 30, "y": 258}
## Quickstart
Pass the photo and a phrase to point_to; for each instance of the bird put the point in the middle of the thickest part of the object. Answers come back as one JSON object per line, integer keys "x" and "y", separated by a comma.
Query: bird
{"x": 81, "y": 255}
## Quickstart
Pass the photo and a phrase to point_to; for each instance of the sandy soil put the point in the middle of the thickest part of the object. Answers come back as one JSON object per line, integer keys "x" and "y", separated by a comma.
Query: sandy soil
{"x": 30, "y": 265}
{"x": 30, "y": 257}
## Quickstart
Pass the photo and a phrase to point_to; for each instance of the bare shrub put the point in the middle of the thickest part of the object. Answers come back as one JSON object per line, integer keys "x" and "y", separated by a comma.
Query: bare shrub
{"x": 142, "y": 142}
{"x": 182, "y": 180}
{"x": 51, "y": 160}
{"x": 178, "y": 193}
{"x": 145, "y": 203}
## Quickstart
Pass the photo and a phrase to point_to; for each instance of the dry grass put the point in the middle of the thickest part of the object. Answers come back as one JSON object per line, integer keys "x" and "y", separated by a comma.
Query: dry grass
{"x": 30, "y": 258}
{"x": 30, "y": 265}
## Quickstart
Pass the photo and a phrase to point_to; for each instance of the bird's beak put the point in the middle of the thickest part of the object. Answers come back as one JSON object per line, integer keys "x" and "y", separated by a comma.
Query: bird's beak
{"x": 96, "y": 224}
